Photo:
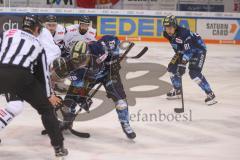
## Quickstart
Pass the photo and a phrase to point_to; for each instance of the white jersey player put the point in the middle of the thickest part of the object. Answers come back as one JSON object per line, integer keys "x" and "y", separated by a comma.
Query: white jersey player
{"x": 57, "y": 30}
{"x": 51, "y": 49}
{"x": 79, "y": 32}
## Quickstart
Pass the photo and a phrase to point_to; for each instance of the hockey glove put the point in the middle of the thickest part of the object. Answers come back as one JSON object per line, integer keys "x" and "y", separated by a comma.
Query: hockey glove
{"x": 173, "y": 61}
{"x": 86, "y": 104}
{"x": 181, "y": 68}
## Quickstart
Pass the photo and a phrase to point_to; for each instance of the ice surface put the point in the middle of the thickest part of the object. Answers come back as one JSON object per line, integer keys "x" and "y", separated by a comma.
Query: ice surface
{"x": 213, "y": 133}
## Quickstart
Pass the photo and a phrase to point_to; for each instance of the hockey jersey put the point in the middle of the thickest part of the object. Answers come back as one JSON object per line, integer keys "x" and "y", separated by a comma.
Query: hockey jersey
{"x": 73, "y": 35}
{"x": 186, "y": 42}
{"x": 51, "y": 49}
{"x": 58, "y": 36}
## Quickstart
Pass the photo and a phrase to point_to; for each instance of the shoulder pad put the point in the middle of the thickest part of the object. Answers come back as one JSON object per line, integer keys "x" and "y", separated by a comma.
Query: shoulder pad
{"x": 92, "y": 31}
{"x": 72, "y": 28}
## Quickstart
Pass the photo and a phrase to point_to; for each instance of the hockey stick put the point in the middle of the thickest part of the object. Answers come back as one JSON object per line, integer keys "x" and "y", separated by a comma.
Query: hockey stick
{"x": 140, "y": 54}
{"x": 180, "y": 110}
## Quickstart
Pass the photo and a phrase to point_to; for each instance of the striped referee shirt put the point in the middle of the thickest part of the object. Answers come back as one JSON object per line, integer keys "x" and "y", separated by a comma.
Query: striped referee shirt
{"x": 21, "y": 49}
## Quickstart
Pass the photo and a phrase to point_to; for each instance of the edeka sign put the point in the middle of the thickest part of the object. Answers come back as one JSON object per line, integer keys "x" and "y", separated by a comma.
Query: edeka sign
{"x": 137, "y": 26}
{"x": 219, "y": 29}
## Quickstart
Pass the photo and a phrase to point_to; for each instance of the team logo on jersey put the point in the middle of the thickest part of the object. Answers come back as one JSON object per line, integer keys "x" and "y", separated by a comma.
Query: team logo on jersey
{"x": 179, "y": 40}
{"x": 60, "y": 33}
{"x": 91, "y": 33}
{"x": 73, "y": 30}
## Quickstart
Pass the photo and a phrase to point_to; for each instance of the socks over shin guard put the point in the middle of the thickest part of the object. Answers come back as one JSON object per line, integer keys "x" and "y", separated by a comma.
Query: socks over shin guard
{"x": 203, "y": 84}
{"x": 5, "y": 118}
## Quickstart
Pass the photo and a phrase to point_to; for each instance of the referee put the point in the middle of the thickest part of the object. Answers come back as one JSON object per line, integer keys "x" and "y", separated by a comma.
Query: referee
{"x": 24, "y": 70}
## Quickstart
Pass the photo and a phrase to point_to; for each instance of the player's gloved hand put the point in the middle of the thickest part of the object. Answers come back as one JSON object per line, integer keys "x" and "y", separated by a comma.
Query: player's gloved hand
{"x": 181, "y": 68}
{"x": 55, "y": 100}
{"x": 173, "y": 61}
{"x": 86, "y": 104}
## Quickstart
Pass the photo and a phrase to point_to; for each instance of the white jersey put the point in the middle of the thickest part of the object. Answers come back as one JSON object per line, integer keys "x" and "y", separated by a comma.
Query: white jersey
{"x": 58, "y": 36}
{"x": 73, "y": 35}
{"x": 51, "y": 49}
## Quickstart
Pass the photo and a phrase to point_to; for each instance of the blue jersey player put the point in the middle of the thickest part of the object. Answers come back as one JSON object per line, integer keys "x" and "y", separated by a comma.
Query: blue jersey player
{"x": 189, "y": 49}
{"x": 99, "y": 62}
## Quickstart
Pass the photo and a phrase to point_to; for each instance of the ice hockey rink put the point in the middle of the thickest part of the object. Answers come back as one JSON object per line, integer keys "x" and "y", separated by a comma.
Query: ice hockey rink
{"x": 205, "y": 132}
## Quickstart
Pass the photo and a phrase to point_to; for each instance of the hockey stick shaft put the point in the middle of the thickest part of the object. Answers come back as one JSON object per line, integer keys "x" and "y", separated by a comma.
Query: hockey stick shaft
{"x": 180, "y": 110}
{"x": 140, "y": 54}
{"x": 182, "y": 94}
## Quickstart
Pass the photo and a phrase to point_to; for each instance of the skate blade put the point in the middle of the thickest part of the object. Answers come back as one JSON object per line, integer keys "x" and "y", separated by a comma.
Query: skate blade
{"x": 212, "y": 102}
{"x": 174, "y": 98}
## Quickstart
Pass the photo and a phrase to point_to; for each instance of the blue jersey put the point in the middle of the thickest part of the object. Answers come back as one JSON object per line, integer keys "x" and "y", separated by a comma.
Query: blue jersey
{"x": 105, "y": 52}
{"x": 186, "y": 42}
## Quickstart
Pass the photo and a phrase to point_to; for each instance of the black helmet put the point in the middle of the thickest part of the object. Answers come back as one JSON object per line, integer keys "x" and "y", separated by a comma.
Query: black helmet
{"x": 84, "y": 19}
{"x": 51, "y": 18}
{"x": 30, "y": 22}
{"x": 170, "y": 20}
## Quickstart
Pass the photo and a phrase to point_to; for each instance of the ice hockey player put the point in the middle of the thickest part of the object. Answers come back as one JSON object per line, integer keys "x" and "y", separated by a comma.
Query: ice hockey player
{"x": 58, "y": 31}
{"x": 25, "y": 76}
{"x": 78, "y": 32}
{"x": 189, "y": 48}
{"x": 102, "y": 67}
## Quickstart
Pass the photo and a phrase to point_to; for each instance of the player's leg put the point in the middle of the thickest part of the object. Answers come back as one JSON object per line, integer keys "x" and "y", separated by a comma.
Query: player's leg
{"x": 195, "y": 72}
{"x": 70, "y": 100}
{"x": 77, "y": 94}
{"x": 175, "y": 93}
{"x": 115, "y": 91}
{"x": 13, "y": 108}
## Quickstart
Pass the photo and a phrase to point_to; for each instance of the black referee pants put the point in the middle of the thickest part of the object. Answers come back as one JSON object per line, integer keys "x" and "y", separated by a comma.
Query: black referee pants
{"x": 22, "y": 83}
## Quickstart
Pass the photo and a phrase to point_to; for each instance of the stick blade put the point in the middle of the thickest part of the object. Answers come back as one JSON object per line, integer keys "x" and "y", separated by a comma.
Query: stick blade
{"x": 178, "y": 110}
{"x": 79, "y": 134}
